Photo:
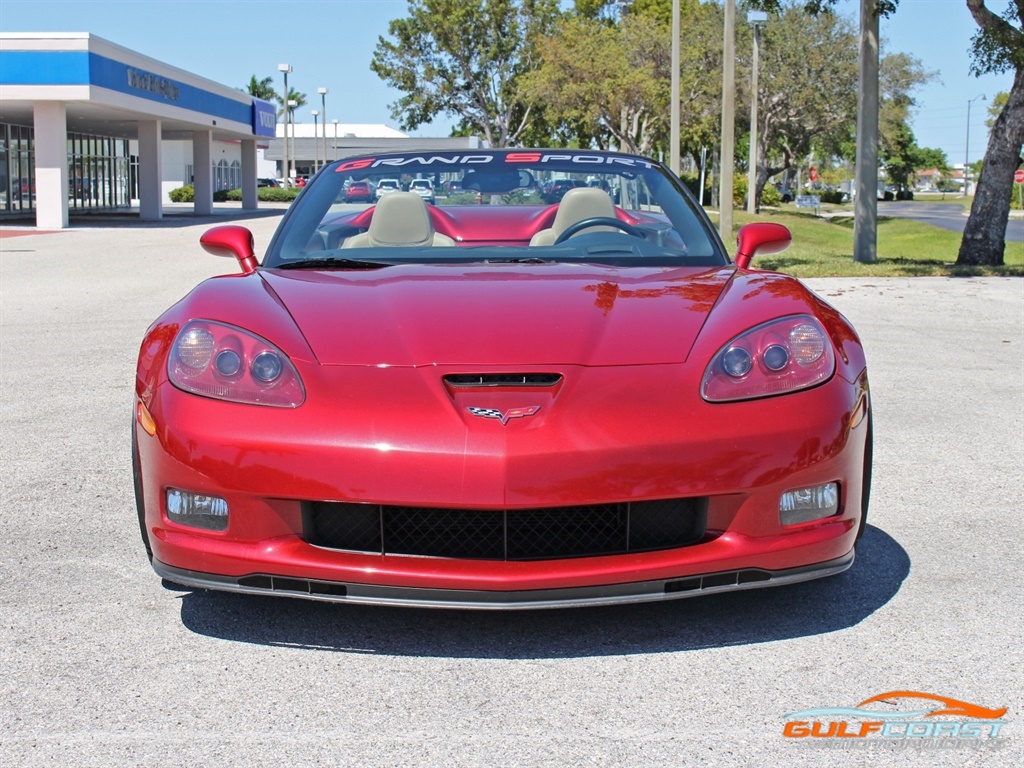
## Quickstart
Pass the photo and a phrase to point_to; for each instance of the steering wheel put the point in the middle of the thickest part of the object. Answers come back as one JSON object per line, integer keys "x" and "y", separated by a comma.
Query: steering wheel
{"x": 598, "y": 221}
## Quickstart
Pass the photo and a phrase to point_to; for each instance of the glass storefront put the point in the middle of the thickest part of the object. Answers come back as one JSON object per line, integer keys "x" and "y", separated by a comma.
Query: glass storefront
{"x": 17, "y": 169}
{"x": 100, "y": 172}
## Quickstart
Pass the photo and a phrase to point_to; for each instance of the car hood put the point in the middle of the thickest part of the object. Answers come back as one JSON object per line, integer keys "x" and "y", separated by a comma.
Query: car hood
{"x": 499, "y": 315}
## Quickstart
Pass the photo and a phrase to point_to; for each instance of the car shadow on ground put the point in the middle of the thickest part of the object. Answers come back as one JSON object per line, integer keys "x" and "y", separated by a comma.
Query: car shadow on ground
{"x": 738, "y": 618}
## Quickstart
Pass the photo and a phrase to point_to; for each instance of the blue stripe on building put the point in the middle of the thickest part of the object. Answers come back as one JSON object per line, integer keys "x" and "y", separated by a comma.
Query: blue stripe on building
{"x": 85, "y": 68}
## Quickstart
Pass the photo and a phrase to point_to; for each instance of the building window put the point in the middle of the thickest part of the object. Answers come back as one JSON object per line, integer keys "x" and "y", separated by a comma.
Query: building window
{"x": 99, "y": 172}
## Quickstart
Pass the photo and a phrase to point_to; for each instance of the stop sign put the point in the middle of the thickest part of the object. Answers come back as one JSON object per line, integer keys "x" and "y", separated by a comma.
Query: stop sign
{"x": 813, "y": 173}
{"x": 1018, "y": 176}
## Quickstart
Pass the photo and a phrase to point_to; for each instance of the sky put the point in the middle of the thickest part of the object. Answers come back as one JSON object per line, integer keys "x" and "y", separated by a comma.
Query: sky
{"x": 329, "y": 43}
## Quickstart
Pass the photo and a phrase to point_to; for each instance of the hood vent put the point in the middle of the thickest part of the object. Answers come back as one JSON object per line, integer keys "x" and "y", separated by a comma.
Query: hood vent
{"x": 502, "y": 379}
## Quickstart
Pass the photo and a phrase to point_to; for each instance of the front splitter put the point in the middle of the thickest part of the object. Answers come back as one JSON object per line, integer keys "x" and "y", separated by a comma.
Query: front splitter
{"x": 573, "y": 597}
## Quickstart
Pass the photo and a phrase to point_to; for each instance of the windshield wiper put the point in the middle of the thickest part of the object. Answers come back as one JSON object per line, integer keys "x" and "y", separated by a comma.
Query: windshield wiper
{"x": 333, "y": 262}
{"x": 520, "y": 260}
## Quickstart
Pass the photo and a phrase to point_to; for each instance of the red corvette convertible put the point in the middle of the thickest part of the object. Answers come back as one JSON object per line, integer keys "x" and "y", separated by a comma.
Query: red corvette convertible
{"x": 500, "y": 402}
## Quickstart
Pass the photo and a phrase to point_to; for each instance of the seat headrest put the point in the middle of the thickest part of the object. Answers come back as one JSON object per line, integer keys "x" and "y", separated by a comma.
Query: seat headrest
{"x": 400, "y": 218}
{"x": 582, "y": 203}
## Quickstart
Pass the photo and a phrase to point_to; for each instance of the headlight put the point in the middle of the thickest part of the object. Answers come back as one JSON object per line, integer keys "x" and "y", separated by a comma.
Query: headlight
{"x": 224, "y": 362}
{"x": 772, "y": 359}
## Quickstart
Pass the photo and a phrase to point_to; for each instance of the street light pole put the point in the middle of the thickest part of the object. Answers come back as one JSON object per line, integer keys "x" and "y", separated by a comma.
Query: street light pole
{"x": 285, "y": 69}
{"x": 323, "y": 111}
{"x": 967, "y": 150}
{"x": 316, "y": 141}
{"x": 292, "y": 104}
{"x": 727, "y": 163}
{"x": 756, "y": 19}
{"x": 674, "y": 113}
{"x": 334, "y": 154}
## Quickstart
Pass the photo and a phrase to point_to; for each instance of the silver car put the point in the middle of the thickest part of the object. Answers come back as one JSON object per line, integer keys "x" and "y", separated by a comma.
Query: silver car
{"x": 423, "y": 188}
{"x": 386, "y": 185}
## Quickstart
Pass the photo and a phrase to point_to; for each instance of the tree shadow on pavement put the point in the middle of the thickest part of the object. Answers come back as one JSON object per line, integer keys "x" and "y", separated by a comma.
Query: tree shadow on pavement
{"x": 738, "y": 618}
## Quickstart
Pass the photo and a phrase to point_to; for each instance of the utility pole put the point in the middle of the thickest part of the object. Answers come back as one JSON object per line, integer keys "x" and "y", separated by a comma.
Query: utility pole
{"x": 756, "y": 19}
{"x": 865, "y": 222}
{"x": 674, "y": 138}
{"x": 728, "y": 123}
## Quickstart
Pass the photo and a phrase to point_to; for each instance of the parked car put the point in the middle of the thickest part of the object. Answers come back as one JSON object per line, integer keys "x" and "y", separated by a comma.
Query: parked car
{"x": 359, "y": 192}
{"x": 386, "y": 186}
{"x": 424, "y": 188}
{"x": 267, "y": 183}
{"x": 505, "y": 405}
{"x": 453, "y": 187}
{"x": 553, "y": 191}
{"x": 785, "y": 192}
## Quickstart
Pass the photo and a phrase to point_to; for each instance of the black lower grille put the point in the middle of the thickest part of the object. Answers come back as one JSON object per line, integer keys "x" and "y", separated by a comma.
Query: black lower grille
{"x": 522, "y": 534}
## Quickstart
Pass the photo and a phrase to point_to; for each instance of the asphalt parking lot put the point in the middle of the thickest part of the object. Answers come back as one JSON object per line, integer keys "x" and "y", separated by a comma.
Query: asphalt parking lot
{"x": 104, "y": 666}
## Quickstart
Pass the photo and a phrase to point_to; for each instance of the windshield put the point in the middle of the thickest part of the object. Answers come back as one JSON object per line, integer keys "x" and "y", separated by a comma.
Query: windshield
{"x": 531, "y": 206}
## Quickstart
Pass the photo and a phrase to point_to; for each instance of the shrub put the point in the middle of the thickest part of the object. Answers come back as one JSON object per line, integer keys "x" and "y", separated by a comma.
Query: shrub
{"x": 184, "y": 194}
{"x": 692, "y": 182}
{"x": 463, "y": 198}
{"x": 770, "y": 195}
{"x": 267, "y": 194}
{"x": 187, "y": 194}
{"x": 834, "y": 196}
{"x": 274, "y": 194}
{"x": 739, "y": 189}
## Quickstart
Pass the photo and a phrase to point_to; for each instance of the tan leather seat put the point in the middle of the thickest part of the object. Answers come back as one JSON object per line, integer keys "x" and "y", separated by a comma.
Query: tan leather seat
{"x": 577, "y": 204}
{"x": 400, "y": 219}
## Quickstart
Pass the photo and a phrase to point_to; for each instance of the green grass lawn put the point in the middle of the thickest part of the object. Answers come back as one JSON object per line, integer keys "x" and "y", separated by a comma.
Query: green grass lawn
{"x": 824, "y": 248}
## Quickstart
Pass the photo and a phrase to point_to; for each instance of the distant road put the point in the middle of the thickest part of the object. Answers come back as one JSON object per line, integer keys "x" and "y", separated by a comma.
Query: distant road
{"x": 949, "y": 216}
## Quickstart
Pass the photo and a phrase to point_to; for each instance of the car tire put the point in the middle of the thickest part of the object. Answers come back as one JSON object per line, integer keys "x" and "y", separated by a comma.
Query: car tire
{"x": 865, "y": 493}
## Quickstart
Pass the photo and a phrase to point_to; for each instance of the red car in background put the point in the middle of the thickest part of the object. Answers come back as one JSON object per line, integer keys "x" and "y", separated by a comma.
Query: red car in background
{"x": 511, "y": 404}
{"x": 359, "y": 192}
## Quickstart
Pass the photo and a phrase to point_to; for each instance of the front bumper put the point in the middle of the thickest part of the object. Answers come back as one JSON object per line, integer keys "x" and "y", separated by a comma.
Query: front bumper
{"x": 612, "y": 594}
{"x": 738, "y": 457}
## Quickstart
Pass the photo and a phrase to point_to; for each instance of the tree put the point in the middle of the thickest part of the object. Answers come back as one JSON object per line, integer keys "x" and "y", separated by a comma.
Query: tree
{"x": 997, "y": 47}
{"x": 608, "y": 82}
{"x": 293, "y": 95}
{"x": 611, "y": 79}
{"x": 263, "y": 89}
{"x": 929, "y": 157}
{"x": 900, "y": 75}
{"x": 995, "y": 107}
{"x": 464, "y": 58}
{"x": 808, "y": 88}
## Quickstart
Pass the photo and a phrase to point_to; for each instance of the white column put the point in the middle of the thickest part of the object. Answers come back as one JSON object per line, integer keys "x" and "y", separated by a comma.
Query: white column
{"x": 151, "y": 204}
{"x": 51, "y": 138}
{"x": 202, "y": 172}
{"x": 249, "y": 199}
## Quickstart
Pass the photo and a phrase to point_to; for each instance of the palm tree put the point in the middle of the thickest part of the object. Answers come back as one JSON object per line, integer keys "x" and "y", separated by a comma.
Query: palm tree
{"x": 263, "y": 89}
{"x": 293, "y": 95}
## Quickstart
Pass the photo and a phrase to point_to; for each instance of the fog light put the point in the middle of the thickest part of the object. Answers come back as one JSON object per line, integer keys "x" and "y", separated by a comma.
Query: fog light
{"x": 193, "y": 509}
{"x": 805, "y": 504}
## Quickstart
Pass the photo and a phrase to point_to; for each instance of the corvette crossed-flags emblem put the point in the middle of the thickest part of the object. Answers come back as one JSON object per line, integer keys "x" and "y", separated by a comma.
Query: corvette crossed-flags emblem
{"x": 504, "y": 416}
